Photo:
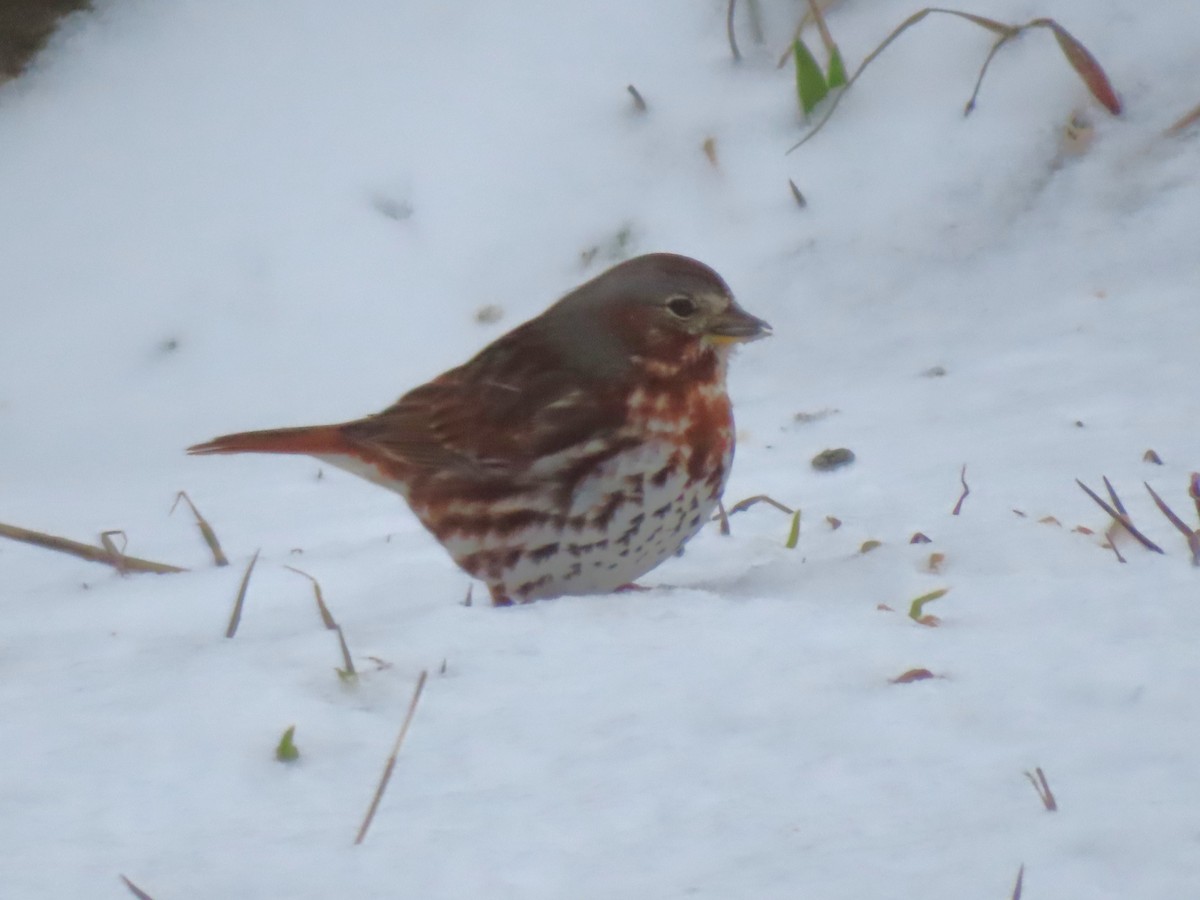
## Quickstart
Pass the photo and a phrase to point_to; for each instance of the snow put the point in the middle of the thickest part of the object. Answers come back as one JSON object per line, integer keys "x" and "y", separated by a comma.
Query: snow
{"x": 206, "y": 227}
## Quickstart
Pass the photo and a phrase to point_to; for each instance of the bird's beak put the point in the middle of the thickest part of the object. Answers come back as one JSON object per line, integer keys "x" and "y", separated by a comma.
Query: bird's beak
{"x": 736, "y": 326}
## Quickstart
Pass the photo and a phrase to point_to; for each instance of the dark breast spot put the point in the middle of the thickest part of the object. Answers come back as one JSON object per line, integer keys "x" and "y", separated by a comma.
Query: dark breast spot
{"x": 659, "y": 478}
{"x": 543, "y": 553}
{"x": 635, "y": 525}
{"x": 530, "y": 586}
{"x": 609, "y": 509}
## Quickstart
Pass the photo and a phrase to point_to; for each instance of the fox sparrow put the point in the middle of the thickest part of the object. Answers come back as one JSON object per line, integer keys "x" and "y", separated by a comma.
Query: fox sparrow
{"x": 573, "y": 454}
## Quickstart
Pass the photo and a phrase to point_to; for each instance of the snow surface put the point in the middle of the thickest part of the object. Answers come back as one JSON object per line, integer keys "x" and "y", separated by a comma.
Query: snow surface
{"x": 220, "y": 215}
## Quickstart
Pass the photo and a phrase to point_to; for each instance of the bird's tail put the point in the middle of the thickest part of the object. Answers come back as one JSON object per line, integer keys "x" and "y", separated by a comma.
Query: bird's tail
{"x": 316, "y": 440}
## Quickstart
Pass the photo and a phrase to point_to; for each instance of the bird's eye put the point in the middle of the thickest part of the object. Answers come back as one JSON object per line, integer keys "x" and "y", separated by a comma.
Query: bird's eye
{"x": 682, "y": 307}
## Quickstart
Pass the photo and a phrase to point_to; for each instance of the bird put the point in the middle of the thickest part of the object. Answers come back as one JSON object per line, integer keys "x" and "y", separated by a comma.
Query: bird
{"x": 574, "y": 453}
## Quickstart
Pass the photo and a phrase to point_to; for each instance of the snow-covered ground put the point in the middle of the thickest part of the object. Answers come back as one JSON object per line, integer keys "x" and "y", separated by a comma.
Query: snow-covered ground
{"x": 218, "y": 215}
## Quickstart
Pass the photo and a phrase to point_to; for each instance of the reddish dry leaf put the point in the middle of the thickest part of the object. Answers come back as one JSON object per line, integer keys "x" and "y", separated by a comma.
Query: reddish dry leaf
{"x": 912, "y": 675}
{"x": 935, "y": 562}
{"x": 928, "y": 621}
{"x": 919, "y": 538}
{"x": 834, "y": 522}
{"x": 1082, "y": 529}
{"x": 1049, "y": 520}
{"x": 1085, "y": 64}
{"x": 883, "y": 607}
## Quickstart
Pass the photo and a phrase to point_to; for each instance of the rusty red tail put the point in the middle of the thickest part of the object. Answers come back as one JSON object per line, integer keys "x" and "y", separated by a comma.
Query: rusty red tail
{"x": 316, "y": 440}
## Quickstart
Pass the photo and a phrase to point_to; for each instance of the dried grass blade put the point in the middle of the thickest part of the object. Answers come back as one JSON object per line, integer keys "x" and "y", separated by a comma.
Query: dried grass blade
{"x": 235, "y": 618}
{"x": 1038, "y": 779}
{"x": 1078, "y": 56}
{"x": 743, "y": 505}
{"x": 804, "y": 20}
{"x": 391, "y": 761}
{"x": 116, "y": 554}
{"x": 135, "y": 890}
{"x": 326, "y": 615}
{"x": 1187, "y": 121}
{"x": 1016, "y": 894}
{"x": 819, "y": 18}
{"x": 206, "y": 530}
{"x": 730, "y": 31}
{"x": 83, "y": 551}
{"x": 639, "y": 102}
{"x": 1004, "y": 39}
{"x": 346, "y": 660}
{"x": 990, "y": 24}
{"x": 723, "y": 516}
{"x": 1122, "y": 520}
{"x": 962, "y": 477}
{"x": 1192, "y": 537}
{"x": 1116, "y": 501}
{"x": 1168, "y": 512}
{"x": 833, "y": 104}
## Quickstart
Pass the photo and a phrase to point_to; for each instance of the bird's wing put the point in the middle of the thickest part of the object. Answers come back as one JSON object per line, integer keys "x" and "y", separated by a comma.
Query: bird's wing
{"x": 485, "y": 421}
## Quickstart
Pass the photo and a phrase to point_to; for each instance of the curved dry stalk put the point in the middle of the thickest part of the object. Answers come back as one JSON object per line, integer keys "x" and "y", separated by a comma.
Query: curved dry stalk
{"x": 206, "y": 530}
{"x": 1082, "y": 61}
{"x": 743, "y": 505}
